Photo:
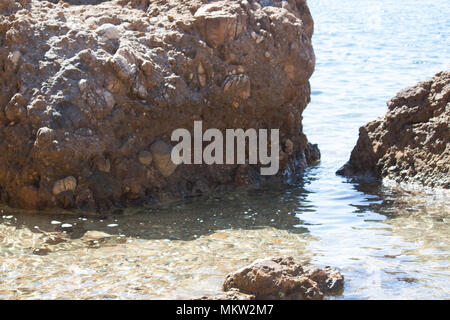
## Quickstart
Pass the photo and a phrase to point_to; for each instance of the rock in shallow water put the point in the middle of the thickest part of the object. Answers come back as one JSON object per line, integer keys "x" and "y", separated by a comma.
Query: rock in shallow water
{"x": 283, "y": 278}
{"x": 107, "y": 81}
{"x": 411, "y": 143}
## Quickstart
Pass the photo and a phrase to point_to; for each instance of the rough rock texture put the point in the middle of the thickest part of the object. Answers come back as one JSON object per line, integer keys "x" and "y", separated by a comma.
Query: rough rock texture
{"x": 411, "y": 143}
{"x": 233, "y": 294}
{"x": 87, "y": 90}
{"x": 283, "y": 278}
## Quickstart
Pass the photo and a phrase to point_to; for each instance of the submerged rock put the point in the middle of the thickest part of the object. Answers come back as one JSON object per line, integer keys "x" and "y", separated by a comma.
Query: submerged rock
{"x": 411, "y": 143}
{"x": 283, "y": 278}
{"x": 87, "y": 90}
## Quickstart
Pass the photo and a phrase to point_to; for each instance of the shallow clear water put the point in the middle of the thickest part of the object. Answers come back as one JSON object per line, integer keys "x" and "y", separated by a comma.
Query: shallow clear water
{"x": 387, "y": 245}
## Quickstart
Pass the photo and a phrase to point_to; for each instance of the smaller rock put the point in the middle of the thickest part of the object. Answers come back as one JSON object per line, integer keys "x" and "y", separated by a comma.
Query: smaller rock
{"x": 15, "y": 109}
{"x": 103, "y": 165}
{"x": 108, "y": 31}
{"x": 41, "y": 251}
{"x": 94, "y": 235}
{"x": 44, "y": 135}
{"x": 66, "y": 184}
{"x": 83, "y": 85}
{"x": 233, "y": 294}
{"x": 14, "y": 57}
{"x": 289, "y": 146}
{"x": 283, "y": 278}
{"x": 161, "y": 153}
{"x": 145, "y": 157}
{"x": 124, "y": 63}
{"x": 109, "y": 100}
{"x": 29, "y": 196}
{"x": 201, "y": 75}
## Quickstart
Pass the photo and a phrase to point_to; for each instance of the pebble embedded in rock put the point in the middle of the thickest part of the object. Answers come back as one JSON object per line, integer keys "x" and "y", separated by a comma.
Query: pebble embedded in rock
{"x": 161, "y": 153}
{"x": 130, "y": 77}
{"x": 94, "y": 235}
{"x": 108, "y": 31}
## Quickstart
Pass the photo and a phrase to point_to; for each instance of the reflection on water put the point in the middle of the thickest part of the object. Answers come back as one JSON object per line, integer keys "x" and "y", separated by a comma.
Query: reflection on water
{"x": 387, "y": 244}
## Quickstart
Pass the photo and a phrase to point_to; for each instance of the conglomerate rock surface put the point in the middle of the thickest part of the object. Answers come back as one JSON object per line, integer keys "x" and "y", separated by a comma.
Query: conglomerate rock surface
{"x": 90, "y": 94}
{"x": 411, "y": 143}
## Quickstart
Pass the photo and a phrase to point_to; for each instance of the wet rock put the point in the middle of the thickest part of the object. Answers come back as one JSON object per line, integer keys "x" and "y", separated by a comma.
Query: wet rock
{"x": 411, "y": 143}
{"x": 95, "y": 238}
{"x": 42, "y": 251}
{"x": 161, "y": 153}
{"x": 112, "y": 76}
{"x": 55, "y": 238}
{"x": 283, "y": 278}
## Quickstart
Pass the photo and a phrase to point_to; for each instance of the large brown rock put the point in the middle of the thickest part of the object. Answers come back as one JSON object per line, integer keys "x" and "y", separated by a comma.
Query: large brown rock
{"x": 411, "y": 143}
{"x": 86, "y": 90}
{"x": 283, "y": 278}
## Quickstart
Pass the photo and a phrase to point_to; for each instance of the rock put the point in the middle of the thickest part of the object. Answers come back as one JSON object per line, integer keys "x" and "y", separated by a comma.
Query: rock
{"x": 161, "y": 153}
{"x": 110, "y": 77}
{"x": 233, "y": 294}
{"x": 42, "y": 251}
{"x": 10, "y": 6}
{"x": 283, "y": 278}
{"x": 411, "y": 143}
{"x": 218, "y": 22}
{"x": 66, "y": 184}
{"x": 103, "y": 165}
{"x": 54, "y": 238}
{"x": 238, "y": 86}
{"x": 201, "y": 75}
{"x": 15, "y": 109}
{"x": 289, "y": 145}
{"x": 14, "y": 58}
{"x": 145, "y": 157}
{"x": 29, "y": 197}
{"x": 94, "y": 235}
{"x": 108, "y": 31}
